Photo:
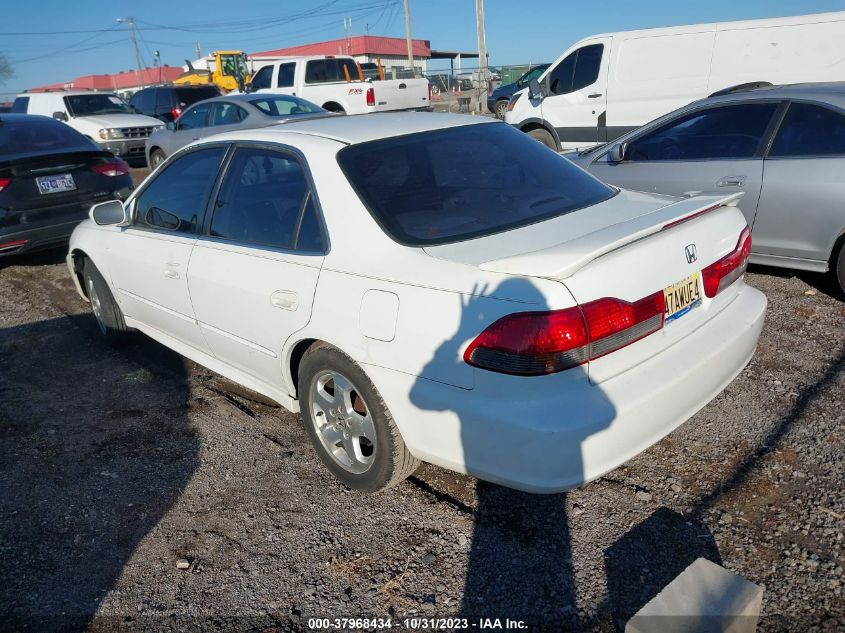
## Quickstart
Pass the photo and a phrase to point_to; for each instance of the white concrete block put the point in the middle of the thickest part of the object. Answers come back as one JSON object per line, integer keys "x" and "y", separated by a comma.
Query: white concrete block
{"x": 704, "y": 598}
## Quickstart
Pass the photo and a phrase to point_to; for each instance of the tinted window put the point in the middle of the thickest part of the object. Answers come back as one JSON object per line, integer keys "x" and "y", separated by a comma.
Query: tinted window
{"x": 285, "y": 79}
{"x": 194, "y": 118}
{"x": 176, "y": 199}
{"x": 261, "y": 200}
{"x": 323, "y": 70}
{"x": 262, "y": 78}
{"x": 810, "y": 130}
{"x": 587, "y": 66}
{"x": 226, "y": 114}
{"x": 560, "y": 79}
{"x": 163, "y": 99}
{"x": 39, "y": 136}
{"x": 724, "y": 132}
{"x": 144, "y": 100}
{"x": 280, "y": 105}
{"x": 20, "y": 104}
{"x": 532, "y": 74}
{"x": 189, "y": 96}
{"x": 431, "y": 188}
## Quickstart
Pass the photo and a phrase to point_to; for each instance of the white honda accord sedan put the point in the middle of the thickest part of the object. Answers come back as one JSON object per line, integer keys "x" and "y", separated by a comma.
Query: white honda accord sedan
{"x": 431, "y": 287}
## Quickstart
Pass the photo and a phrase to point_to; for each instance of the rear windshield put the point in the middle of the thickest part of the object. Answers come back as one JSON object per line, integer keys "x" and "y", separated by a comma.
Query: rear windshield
{"x": 96, "y": 103}
{"x": 38, "y": 136}
{"x": 279, "y": 105}
{"x": 459, "y": 183}
{"x": 189, "y": 96}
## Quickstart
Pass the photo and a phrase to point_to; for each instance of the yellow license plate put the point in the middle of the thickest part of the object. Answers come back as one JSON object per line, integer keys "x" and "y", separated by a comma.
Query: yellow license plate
{"x": 681, "y": 297}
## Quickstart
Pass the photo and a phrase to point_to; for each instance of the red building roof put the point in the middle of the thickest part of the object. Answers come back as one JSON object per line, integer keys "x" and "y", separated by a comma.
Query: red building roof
{"x": 117, "y": 81}
{"x": 358, "y": 45}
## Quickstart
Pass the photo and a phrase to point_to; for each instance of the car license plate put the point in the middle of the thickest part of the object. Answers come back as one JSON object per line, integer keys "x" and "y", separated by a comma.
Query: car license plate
{"x": 681, "y": 297}
{"x": 55, "y": 184}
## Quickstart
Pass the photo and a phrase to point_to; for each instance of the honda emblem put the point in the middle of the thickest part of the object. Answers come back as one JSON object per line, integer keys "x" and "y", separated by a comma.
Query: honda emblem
{"x": 691, "y": 252}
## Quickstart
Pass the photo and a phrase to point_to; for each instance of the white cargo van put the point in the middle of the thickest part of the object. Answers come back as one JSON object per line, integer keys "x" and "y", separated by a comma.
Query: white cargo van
{"x": 606, "y": 85}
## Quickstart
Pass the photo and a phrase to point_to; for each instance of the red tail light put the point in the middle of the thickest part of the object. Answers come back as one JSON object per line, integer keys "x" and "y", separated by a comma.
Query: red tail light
{"x": 115, "y": 167}
{"x": 176, "y": 112}
{"x": 535, "y": 343}
{"x": 12, "y": 246}
{"x": 721, "y": 274}
{"x": 371, "y": 97}
{"x": 4, "y": 182}
{"x": 429, "y": 93}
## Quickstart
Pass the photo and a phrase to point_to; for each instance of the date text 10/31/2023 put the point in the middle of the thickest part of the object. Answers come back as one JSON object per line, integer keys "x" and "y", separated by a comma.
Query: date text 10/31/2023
{"x": 416, "y": 624}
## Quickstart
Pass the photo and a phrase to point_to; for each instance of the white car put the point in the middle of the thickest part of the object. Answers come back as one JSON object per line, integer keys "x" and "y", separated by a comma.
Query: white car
{"x": 431, "y": 287}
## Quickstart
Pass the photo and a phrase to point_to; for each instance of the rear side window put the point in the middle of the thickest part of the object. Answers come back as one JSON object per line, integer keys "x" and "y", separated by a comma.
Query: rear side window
{"x": 810, "y": 130}
{"x": 734, "y": 131}
{"x": 579, "y": 70}
{"x": 283, "y": 105}
{"x": 20, "y": 105}
{"x": 324, "y": 70}
{"x": 286, "y": 72}
{"x": 39, "y": 135}
{"x": 262, "y": 78}
{"x": 175, "y": 200}
{"x": 431, "y": 188}
{"x": 223, "y": 113}
{"x": 264, "y": 200}
{"x": 189, "y": 96}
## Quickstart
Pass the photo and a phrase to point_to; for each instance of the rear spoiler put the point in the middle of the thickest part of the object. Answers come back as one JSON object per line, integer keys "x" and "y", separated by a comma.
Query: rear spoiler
{"x": 565, "y": 259}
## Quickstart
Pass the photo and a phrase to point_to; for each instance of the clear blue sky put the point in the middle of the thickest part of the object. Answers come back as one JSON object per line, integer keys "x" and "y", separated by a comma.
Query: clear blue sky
{"x": 517, "y": 32}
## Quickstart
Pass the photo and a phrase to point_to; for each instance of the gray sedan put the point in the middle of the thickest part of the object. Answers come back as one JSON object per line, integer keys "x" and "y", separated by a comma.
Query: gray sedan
{"x": 224, "y": 114}
{"x": 783, "y": 146}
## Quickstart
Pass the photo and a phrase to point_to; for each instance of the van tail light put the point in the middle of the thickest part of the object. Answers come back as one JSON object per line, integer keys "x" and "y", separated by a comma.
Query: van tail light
{"x": 112, "y": 168}
{"x": 4, "y": 182}
{"x": 537, "y": 343}
{"x": 176, "y": 112}
{"x": 722, "y": 273}
{"x": 371, "y": 97}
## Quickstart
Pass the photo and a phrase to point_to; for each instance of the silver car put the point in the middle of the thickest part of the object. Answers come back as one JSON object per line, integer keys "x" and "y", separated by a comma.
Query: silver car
{"x": 224, "y": 114}
{"x": 783, "y": 146}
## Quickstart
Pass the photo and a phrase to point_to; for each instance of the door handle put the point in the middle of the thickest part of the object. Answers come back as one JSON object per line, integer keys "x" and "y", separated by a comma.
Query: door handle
{"x": 401, "y": 86}
{"x": 731, "y": 181}
{"x": 285, "y": 299}
{"x": 171, "y": 274}
{"x": 595, "y": 95}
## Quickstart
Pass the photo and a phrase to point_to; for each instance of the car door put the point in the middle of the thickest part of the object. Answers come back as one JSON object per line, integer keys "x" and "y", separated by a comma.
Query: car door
{"x": 148, "y": 260}
{"x": 709, "y": 149}
{"x": 801, "y": 211}
{"x": 224, "y": 117}
{"x": 189, "y": 127}
{"x": 254, "y": 273}
{"x": 576, "y": 99}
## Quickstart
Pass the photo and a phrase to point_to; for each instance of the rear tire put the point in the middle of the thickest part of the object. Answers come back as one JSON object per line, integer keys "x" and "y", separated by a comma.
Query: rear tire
{"x": 107, "y": 313}
{"x": 840, "y": 267}
{"x": 501, "y": 108}
{"x": 543, "y": 136}
{"x": 349, "y": 424}
{"x": 157, "y": 157}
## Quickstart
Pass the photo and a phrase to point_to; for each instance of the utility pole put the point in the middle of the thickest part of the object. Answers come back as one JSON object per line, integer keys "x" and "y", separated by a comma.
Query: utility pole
{"x": 482, "y": 49}
{"x": 408, "y": 36}
{"x": 199, "y": 51}
{"x": 131, "y": 22}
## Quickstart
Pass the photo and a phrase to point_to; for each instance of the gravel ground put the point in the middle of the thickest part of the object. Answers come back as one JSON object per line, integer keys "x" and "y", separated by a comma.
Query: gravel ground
{"x": 119, "y": 467}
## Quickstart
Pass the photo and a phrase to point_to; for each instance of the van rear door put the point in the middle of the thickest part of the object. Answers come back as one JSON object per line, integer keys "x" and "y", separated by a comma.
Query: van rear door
{"x": 576, "y": 89}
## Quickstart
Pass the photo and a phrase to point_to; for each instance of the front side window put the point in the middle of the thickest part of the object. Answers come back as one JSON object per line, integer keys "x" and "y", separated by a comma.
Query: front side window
{"x": 286, "y": 72}
{"x": 95, "y": 103}
{"x": 223, "y": 113}
{"x": 175, "y": 200}
{"x": 430, "y": 188}
{"x": 282, "y": 105}
{"x": 579, "y": 70}
{"x": 733, "y": 131}
{"x": 264, "y": 200}
{"x": 810, "y": 130}
{"x": 194, "y": 118}
{"x": 531, "y": 75}
{"x": 262, "y": 78}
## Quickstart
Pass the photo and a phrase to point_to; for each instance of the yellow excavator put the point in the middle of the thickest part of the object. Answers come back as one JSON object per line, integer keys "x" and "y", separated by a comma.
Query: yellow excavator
{"x": 230, "y": 71}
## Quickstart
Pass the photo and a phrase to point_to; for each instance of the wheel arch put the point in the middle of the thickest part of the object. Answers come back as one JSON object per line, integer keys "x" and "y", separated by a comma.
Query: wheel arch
{"x": 539, "y": 124}
{"x": 334, "y": 106}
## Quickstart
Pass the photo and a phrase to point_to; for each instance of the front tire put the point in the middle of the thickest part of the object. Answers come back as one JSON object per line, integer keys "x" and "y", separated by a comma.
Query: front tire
{"x": 349, "y": 424}
{"x": 543, "y": 136}
{"x": 501, "y": 108}
{"x": 107, "y": 313}
{"x": 157, "y": 157}
{"x": 840, "y": 268}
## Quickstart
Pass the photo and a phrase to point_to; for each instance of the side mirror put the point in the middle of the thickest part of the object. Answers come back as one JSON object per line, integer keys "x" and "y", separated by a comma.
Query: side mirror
{"x": 60, "y": 116}
{"x": 109, "y": 213}
{"x": 535, "y": 90}
{"x": 616, "y": 153}
{"x": 170, "y": 125}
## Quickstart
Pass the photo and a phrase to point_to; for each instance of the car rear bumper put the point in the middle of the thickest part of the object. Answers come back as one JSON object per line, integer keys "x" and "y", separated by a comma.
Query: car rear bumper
{"x": 32, "y": 238}
{"x": 568, "y": 432}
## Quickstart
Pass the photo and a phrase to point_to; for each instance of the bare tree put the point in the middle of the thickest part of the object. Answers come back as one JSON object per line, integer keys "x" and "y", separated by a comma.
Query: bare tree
{"x": 6, "y": 71}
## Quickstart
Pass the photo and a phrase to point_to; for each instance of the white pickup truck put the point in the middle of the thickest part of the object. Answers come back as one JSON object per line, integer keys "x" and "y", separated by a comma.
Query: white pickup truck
{"x": 336, "y": 83}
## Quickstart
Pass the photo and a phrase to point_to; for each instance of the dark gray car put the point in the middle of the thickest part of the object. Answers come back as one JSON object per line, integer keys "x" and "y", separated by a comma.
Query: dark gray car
{"x": 225, "y": 114}
{"x": 783, "y": 146}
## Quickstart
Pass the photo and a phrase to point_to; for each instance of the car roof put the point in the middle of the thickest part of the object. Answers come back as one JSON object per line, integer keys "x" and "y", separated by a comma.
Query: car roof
{"x": 67, "y": 93}
{"x": 831, "y": 92}
{"x": 360, "y": 128}
{"x": 19, "y": 116}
